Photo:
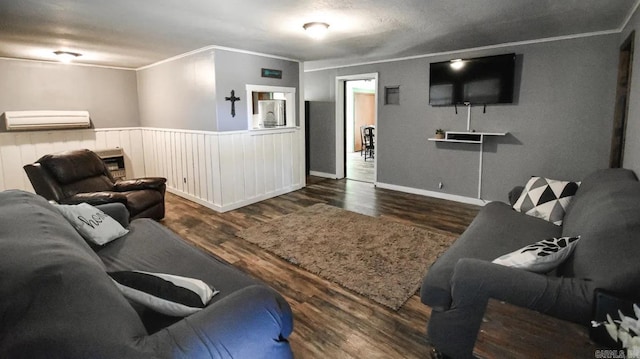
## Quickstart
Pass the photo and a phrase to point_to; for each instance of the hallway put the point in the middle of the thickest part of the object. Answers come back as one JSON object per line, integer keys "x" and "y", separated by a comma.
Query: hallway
{"x": 358, "y": 169}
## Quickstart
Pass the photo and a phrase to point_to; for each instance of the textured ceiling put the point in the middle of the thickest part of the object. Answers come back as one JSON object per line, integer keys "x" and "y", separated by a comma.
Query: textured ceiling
{"x": 135, "y": 33}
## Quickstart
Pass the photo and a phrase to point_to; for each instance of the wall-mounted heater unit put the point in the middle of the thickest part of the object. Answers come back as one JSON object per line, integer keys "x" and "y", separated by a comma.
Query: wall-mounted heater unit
{"x": 46, "y": 120}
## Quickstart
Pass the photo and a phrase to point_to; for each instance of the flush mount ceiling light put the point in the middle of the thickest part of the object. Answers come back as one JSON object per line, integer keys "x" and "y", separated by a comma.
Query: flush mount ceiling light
{"x": 457, "y": 64}
{"x": 66, "y": 56}
{"x": 316, "y": 30}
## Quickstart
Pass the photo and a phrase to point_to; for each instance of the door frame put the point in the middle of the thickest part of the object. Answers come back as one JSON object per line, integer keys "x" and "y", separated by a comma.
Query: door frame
{"x": 621, "y": 112}
{"x": 341, "y": 118}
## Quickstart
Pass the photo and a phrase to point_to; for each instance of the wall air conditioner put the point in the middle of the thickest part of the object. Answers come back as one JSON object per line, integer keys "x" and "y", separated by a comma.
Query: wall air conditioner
{"x": 46, "y": 120}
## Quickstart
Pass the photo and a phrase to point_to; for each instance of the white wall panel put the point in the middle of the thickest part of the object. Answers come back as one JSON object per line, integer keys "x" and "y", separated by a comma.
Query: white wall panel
{"x": 201, "y": 168}
{"x": 215, "y": 169}
{"x": 112, "y": 138}
{"x": 101, "y": 140}
{"x": 26, "y": 150}
{"x": 299, "y": 170}
{"x": 209, "y": 180}
{"x": 238, "y": 169}
{"x": 287, "y": 165}
{"x": 136, "y": 151}
{"x": 88, "y": 140}
{"x": 42, "y": 141}
{"x": 11, "y": 159}
{"x": 183, "y": 161}
{"x": 189, "y": 163}
{"x": 221, "y": 170}
{"x": 18, "y": 149}
{"x": 278, "y": 154}
{"x": 259, "y": 164}
{"x": 150, "y": 155}
{"x": 176, "y": 161}
{"x": 269, "y": 171}
{"x": 249, "y": 151}
{"x": 224, "y": 170}
{"x": 227, "y": 173}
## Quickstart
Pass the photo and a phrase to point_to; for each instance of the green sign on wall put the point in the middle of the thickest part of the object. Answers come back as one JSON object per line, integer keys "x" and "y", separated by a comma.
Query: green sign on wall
{"x": 276, "y": 74}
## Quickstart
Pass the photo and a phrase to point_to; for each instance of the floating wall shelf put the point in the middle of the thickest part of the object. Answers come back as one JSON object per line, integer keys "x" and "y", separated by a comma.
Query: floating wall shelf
{"x": 466, "y": 137}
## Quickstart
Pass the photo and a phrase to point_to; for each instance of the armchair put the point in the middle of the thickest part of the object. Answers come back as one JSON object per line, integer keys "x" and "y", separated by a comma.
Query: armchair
{"x": 80, "y": 176}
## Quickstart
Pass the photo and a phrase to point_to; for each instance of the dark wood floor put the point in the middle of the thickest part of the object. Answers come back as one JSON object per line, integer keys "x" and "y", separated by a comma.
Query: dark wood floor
{"x": 330, "y": 321}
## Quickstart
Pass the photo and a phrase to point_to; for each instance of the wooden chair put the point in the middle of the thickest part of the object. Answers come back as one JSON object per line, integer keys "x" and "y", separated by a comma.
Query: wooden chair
{"x": 368, "y": 143}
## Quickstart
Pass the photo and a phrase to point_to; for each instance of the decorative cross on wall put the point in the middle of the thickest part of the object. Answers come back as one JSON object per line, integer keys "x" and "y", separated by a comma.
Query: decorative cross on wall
{"x": 233, "y": 100}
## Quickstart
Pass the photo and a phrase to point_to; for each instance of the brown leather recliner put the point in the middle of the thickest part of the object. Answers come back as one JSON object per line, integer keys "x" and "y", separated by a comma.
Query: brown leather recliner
{"x": 80, "y": 176}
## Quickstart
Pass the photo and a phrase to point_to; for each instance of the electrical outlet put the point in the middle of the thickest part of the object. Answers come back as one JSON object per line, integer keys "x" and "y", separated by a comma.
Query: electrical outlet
{"x": 184, "y": 179}
{"x": 440, "y": 185}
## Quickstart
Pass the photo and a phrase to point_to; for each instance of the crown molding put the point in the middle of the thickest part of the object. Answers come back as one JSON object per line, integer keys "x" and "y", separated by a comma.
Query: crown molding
{"x": 68, "y": 64}
{"x": 489, "y": 47}
{"x": 214, "y": 47}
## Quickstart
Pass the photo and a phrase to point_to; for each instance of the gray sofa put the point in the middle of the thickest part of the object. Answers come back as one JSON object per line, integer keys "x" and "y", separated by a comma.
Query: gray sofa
{"x": 57, "y": 301}
{"x": 605, "y": 212}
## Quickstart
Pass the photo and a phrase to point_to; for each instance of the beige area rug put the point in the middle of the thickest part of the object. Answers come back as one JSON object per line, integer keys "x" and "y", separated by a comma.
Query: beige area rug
{"x": 382, "y": 260}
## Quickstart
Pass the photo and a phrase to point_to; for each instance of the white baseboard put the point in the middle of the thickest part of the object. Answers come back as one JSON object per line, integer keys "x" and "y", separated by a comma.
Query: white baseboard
{"x": 195, "y": 199}
{"x": 423, "y": 192}
{"x": 322, "y": 174}
{"x": 236, "y": 205}
{"x": 260, "y": 198}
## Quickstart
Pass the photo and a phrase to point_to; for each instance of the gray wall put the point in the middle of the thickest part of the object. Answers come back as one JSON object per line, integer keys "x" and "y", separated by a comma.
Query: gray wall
{"x": 319, "y": 90}
{"x": 234, "y": 70}
{"x": 179, "y": 94}
{"x": 109, "y": 95}
{"x": 189, "y": 92}
{"x": 559, "y": 126}
{"x": 322, "y": 139}
{"x": 632, "y": 142}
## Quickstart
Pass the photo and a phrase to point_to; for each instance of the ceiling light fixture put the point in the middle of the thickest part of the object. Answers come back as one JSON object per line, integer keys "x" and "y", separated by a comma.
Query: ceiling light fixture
{"x": 457, "y": 64}
{"x": 66, "y": 56}
{"x": 316, "y": 30}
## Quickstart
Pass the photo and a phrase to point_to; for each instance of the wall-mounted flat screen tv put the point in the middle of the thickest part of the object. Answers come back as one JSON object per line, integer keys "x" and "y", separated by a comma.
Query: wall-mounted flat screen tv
{"x": 480, "y": 80}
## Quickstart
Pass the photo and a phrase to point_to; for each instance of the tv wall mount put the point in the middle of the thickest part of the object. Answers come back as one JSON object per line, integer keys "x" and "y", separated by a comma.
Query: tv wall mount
{"x": 468, "y": 104}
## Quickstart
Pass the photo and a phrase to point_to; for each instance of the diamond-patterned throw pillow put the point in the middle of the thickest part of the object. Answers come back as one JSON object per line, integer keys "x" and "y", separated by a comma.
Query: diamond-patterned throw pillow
{"x": 541, "y": 256}
{"x": 546, "y": 198}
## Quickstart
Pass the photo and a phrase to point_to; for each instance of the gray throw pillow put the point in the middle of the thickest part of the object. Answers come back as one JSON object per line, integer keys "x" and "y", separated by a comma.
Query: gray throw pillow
{"x": 93, "y": 225}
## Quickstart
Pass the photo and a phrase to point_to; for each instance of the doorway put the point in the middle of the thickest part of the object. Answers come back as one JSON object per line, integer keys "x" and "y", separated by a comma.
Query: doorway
{"x": 623, "y": 90}
{"x": 360, "y": 107}
{"x": 356, "y": 106}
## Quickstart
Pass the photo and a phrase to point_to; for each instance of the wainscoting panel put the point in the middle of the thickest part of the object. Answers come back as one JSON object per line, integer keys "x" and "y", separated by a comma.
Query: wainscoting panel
{"x": 20, "y": 148}
{"x": 224, "y": 170}
{"x": 221, "y": 170}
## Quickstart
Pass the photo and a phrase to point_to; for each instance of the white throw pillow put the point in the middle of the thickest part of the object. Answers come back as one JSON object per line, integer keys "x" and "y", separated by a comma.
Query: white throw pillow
{"x": 546, "y": 198}
{"x": 94, "y": 225}
{"x": 541, "y": 256}
{"x": 165, "y": 293}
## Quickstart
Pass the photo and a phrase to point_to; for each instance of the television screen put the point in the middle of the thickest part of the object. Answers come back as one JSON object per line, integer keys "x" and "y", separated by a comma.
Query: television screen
{"x": 481, "y": 80}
